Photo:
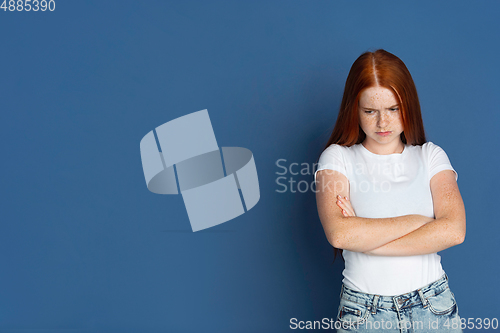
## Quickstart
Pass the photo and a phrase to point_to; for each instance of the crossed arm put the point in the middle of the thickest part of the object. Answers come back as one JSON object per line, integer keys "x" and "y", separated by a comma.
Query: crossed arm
{"x": 399, "y": 236}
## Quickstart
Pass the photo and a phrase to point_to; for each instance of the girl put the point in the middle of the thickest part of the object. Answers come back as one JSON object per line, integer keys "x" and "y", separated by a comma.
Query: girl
{"x": 390, "y": 201}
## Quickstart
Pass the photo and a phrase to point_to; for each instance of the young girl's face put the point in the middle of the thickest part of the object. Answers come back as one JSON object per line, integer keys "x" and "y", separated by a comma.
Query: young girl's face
{"x": 380, "y": 117}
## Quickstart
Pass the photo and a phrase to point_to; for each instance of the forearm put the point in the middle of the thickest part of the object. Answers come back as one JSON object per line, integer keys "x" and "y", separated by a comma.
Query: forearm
{"x": 360, "y": 234}
{"x": 432, "y": 237}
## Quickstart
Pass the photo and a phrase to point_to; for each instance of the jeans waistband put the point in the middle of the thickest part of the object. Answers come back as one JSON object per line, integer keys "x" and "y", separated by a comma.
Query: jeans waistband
{"x": 397, "y": 302}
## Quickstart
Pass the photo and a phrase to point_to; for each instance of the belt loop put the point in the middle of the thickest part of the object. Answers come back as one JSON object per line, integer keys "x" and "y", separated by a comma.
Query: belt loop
{"x": 422, "y": 298}
{"x": 375, "y": 302}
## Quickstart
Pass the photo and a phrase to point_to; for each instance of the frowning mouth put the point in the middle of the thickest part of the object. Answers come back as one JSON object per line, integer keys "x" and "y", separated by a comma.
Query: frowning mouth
{"x": 384, "y": 133}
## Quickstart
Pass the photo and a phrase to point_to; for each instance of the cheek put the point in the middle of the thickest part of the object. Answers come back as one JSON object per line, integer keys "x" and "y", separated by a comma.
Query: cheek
{"x": 396, "y": 119}
{"x": 368, "y": 121}
{"x": 399, "y": 121}
{"x": 362, "y": 122}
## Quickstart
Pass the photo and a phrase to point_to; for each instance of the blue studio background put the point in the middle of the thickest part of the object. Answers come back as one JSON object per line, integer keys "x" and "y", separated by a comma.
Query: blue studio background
{"x": 85, "y": 247}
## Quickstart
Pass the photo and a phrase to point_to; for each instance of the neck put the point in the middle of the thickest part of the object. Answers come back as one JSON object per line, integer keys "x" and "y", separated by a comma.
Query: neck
{"x": 378, "y": 149}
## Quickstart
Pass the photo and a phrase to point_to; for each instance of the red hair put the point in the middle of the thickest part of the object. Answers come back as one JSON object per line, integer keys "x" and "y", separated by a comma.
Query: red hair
{"x": 384, "y": 69}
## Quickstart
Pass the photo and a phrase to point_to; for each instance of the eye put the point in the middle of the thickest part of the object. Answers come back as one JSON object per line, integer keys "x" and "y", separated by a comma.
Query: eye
{"x": 394, "y": 109}
{"x": 368, "y": 111}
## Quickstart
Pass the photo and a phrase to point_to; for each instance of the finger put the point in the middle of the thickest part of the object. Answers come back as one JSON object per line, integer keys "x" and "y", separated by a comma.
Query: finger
{"x": 351, "y": 211}
{"x": 346, "y": 213}
{"x": 345, "y": 206}
{"x": 348, "y": 207}
{"x": 341, "y": 204}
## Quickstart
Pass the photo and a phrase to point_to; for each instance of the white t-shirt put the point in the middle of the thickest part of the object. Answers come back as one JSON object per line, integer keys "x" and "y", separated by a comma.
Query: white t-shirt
{"x": 388, "y": 186}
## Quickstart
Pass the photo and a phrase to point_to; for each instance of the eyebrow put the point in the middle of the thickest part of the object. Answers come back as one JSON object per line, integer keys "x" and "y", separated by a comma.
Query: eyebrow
{"x": 390, "y": 107}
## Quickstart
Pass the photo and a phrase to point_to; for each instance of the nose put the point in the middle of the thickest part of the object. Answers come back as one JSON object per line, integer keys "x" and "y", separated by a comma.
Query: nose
{"x": 382, "y": 120}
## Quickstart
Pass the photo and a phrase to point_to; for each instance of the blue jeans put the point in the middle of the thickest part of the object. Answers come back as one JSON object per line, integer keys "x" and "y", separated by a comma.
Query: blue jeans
{"x": 431, "y": 308}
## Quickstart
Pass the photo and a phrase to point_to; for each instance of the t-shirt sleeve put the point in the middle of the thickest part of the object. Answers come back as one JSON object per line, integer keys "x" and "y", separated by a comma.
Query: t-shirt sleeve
{"x": 331, "y": 159}
{"x": 438, "y": 160}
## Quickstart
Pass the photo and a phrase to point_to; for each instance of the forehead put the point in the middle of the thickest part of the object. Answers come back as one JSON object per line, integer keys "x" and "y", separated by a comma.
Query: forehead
{"x": 377, "y": 96}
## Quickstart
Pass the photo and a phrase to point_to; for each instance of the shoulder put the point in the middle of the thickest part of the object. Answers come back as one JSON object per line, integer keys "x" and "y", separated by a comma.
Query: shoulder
{"x": 432, "y": 150}
{"x": 337, "y": 152}
{"x": 437, "y": 159}
{"x": 333, "y": 149}
{"x": 336, "y": 147}
{"x": 333, "y": 158}
{"x": 430, "y": 146}
{"x": 428, "y": 150}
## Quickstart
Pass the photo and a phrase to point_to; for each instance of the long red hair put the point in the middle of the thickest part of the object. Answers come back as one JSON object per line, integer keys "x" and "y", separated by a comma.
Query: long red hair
{"x": 384, "y": 69}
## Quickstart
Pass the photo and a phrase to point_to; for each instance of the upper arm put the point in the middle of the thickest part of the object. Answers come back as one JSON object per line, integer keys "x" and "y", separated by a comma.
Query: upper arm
{"x": 329, "y": 184}
{"x": 448, "y": 203}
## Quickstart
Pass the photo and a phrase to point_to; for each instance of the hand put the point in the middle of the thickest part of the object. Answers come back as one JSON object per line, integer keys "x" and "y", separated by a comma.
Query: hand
{"x": 346, "y": 206}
